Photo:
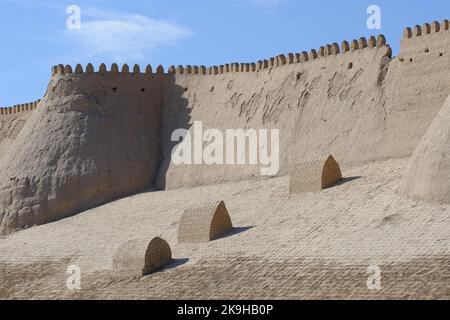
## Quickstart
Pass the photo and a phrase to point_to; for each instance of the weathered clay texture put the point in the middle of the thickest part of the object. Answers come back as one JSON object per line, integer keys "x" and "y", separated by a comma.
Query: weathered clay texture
{"x": 98, "y": 135}
{"x": 94, "y": 138}
{"x": 428, "y": 175}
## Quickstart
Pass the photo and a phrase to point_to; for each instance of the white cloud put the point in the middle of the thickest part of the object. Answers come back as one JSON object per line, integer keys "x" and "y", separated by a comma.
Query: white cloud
{"x": 122, "y": 36}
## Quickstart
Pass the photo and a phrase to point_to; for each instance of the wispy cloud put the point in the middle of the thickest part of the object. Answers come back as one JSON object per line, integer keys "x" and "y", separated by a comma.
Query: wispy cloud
{"x": 124, "y": 36}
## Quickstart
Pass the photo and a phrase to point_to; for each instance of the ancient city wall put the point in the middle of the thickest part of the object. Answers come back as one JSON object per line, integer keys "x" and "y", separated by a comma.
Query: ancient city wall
{"x": 94, "y": 138}
{"x": 12, "y": 120}
{"x": 102, "y": 134}
{"x": 417, "y": 84}
{"x": 322, "y": 101}
{"x": 5, "y": 111}
{"x": 351, "y": 100}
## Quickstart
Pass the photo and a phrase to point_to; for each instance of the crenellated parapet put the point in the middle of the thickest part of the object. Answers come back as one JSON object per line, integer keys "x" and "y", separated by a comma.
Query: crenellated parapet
{"x": 281, "y": 60}
{"x": 103, "y": 69}
{"x": 430, "y": 40}
{"x": 322, "y": 52}
{"x": 425, "y": 29}
{"x": 6, "y": 111}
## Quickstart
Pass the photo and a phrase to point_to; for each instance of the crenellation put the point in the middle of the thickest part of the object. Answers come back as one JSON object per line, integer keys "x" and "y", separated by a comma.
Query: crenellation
{"x": 195, "y": 70}
{"x": 102, "y": 69}
{"x": 381, "y": 41}
{"x": 125, "y": 69}
{"x": 354, "y": 45}
{"x": 90, "y": 68}
{"x": 179, "y": 69}
{"x": 328, "y": 50}
{"x": 68, "y": 69}
{"x": 115, "y": 68}
{"x": 345, "y": 46}
{"x": 362, "y": 43}
{"x": 407, "y": 33}
{"x": 215, "y": 70}
{"x": 60, "y": 69}
{"x": 445, "y": 25}
{"x": 79, "y": 69}
{"x": 372, "y": 42}
{"x": 335, "y": 50}
{"x": 303, "y": 57}
{"x": 259, "y": 65}
{"x": 321, "y": 52}
{"x": 435, "y": 27}
{"x": 417, "y": 31}
{"x": 424, "y": 39}
{"x": 18, "y": 108}
{"x": 426, "y": 29}
{"x": 280, "y": 60}
{"x": 291, "y": 58}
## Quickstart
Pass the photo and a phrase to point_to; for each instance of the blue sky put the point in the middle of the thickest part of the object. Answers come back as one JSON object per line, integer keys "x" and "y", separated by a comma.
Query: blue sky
{"x": 34, "y": 35}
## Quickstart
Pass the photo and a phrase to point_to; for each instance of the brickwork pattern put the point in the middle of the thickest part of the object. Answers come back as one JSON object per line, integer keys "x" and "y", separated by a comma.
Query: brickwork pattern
{"x": 310, "y": 245}
{"x": 204, "y": 224}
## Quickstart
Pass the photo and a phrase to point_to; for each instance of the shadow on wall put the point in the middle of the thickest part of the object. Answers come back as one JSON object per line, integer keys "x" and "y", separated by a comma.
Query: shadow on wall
{"x": 176, "y": 114}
